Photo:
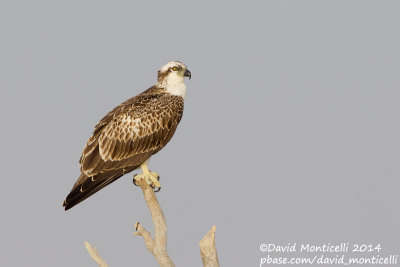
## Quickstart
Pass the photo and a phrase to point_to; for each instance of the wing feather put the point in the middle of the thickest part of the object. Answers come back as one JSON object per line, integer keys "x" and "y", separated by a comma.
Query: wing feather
{"x": 145, "y": 125}
{"x": 124, "y": 139}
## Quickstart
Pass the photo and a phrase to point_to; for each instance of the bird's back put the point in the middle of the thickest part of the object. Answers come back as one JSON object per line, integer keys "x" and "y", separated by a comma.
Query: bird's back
{"x": 125, "y": 138}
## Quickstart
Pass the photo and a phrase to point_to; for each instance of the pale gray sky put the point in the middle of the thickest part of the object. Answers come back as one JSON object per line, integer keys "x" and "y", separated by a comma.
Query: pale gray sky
{"x": 290, "y": 131}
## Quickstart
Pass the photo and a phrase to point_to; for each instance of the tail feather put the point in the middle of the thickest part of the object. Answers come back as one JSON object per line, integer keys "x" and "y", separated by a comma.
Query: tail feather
{"x": 87, "y": 186}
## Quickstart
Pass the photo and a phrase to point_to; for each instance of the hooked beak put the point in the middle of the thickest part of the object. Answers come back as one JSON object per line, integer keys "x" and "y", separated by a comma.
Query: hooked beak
{"x": 187, "y": 74}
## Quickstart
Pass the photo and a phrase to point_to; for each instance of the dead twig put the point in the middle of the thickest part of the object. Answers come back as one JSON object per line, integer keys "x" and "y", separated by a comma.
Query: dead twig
{"x": 207, "y": 249}
{"x": 158, "y": 245}
{"x": 95, "y": 255}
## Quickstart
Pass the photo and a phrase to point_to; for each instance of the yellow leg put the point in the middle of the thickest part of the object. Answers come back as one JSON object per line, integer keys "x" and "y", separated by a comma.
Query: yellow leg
{"x": 149, "y": 176}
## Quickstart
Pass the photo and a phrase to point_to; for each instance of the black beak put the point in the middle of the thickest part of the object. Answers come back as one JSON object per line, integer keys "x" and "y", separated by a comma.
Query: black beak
{"x": 187, "y": 74}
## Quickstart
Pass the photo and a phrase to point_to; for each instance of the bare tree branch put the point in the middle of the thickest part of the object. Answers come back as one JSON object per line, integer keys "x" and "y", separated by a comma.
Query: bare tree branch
{"x": 95, "y": 255}
{"x": 207, "y": 249}
{"x": 158, "y": 245}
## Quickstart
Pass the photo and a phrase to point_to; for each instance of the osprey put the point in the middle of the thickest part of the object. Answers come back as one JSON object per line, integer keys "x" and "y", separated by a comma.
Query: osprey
{"x": 130, "y": 134}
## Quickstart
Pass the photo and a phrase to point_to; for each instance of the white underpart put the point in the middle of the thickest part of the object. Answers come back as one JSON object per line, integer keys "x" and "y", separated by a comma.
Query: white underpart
{"x": 175, "y": 85}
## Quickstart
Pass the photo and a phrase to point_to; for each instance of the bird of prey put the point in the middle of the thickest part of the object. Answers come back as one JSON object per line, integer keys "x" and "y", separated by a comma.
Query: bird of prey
{"x": 131, "y": 133}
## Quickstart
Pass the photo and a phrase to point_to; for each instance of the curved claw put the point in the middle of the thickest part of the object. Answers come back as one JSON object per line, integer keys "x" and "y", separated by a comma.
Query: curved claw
{"x": 152, "y": 180}
{"x": 134, "y": 181}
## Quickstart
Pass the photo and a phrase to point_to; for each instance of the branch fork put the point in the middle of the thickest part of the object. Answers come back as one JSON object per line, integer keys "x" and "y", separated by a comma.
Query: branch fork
{"x": 158, "y": 245}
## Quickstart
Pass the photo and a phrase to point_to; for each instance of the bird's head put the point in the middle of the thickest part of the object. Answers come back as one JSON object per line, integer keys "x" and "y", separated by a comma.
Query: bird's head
{"x": 171, "y": 77}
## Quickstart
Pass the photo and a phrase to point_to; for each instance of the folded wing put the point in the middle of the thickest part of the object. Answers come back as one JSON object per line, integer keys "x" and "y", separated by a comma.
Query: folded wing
{"x": 124, "y": 139}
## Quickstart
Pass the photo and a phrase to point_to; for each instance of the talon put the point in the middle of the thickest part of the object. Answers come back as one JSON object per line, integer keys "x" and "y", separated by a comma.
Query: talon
{"x": 155, "y": 188}
{"x": 134, "y": 180}
{"x": 151, "y": 178}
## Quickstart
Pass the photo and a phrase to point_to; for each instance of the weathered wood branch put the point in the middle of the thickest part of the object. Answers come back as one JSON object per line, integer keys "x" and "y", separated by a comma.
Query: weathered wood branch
{"x": 95, "y": 255}
{"x": 208, "y": 251}
{"x": 158, "y": 245}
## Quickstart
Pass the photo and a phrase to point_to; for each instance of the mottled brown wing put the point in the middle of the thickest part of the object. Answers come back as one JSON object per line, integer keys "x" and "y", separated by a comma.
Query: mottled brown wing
{"x": 124, "y": 139}
{"x": 128, "y": 138}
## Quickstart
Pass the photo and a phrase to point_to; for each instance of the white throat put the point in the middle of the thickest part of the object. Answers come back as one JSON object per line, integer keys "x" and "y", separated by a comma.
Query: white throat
{"x": 174, "y": 84}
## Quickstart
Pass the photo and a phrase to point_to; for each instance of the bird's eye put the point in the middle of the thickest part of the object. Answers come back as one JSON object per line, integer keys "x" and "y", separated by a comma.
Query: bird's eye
{"x": 174, "y": 68}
